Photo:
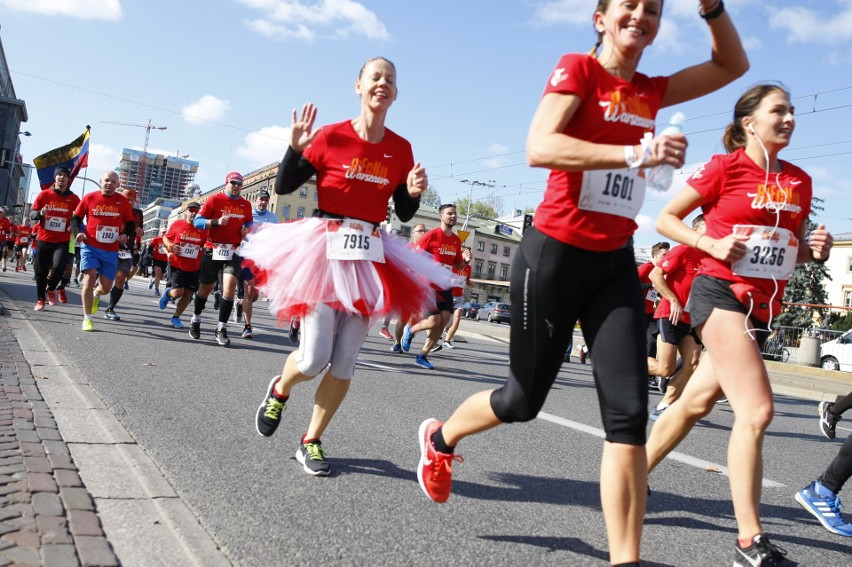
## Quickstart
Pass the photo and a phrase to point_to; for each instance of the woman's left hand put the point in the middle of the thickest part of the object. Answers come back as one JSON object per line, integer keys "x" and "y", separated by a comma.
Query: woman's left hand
{"x": 820, "y": 242}
{"x": 417, "y": 181}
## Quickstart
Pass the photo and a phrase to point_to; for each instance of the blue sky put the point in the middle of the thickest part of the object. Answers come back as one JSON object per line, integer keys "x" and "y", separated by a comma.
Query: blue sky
{"x": 223, "y": 76}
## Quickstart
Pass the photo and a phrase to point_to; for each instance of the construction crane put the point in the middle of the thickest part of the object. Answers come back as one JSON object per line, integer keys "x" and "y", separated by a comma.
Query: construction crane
{"x": 140, "y": 179}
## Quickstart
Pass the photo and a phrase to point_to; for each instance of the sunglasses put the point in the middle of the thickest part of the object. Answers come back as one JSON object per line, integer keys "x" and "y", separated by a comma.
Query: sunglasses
{"x": 237, "y": 183}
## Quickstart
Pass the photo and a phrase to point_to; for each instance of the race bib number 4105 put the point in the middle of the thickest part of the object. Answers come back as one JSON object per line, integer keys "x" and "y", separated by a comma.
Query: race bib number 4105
{"x": 353, "y": 240}
{"x": 771, "y": 252}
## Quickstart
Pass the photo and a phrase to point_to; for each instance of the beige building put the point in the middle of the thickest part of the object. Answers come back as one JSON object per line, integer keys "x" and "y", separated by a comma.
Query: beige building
{"x": 839, "y": 266}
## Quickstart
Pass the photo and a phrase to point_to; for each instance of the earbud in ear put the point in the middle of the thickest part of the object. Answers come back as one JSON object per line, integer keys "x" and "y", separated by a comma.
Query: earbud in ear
{"x": 750, "y": 127}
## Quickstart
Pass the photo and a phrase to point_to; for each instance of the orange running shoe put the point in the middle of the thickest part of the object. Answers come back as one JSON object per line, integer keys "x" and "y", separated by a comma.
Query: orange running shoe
{"x": 435, "y": 470}
{"x": 51, "y": 298}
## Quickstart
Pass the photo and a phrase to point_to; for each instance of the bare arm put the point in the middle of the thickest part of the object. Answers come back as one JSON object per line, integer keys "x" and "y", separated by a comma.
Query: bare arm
{"x": 728, "y": 61}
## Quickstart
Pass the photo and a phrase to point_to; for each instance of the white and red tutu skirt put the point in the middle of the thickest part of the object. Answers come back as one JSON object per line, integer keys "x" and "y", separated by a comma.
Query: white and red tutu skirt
{"x": 291, "y": 268}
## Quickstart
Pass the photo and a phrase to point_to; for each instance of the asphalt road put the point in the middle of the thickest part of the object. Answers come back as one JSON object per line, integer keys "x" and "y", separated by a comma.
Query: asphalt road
{"x": 527, "y": 494}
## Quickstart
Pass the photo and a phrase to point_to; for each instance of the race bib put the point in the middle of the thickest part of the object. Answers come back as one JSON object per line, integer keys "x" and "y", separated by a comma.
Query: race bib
{"x": 107, "y": 234}
{"x": 125, "y": 255}
{"x": 223, "y": 251}
{"x": 652, "y": 295}
{"x": 24, "y": 240}
{"x": 55, "y": 224}
{"x": 771, "y": 252}
{"x": 618, "y": 192}
{"x": 187, "y": 251}
{"x": 353, "y": 240}
{"x": 163, "y": 250}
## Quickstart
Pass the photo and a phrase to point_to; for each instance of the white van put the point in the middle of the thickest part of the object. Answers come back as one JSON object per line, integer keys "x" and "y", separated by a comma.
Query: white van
{"x": 837, "y": 354}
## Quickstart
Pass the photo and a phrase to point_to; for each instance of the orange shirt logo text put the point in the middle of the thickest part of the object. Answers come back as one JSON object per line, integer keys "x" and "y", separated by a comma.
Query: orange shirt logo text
{"x": 369, "y": 170}
{"x": 774, "y": 197}
{"x": 627, "y": 109}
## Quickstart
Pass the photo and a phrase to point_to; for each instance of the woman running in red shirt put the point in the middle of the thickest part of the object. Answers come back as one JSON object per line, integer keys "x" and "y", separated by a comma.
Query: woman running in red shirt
{"x": 577, "y": 261}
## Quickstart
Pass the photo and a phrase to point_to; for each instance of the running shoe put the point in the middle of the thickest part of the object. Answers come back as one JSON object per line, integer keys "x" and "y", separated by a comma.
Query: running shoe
{"x": 217, "y": 299}
{"x": 195, "y": 330}
{"x": 826, "y": 509}
{"x": 269, "y": 412}
{"x": 312, "y": 458}
{"x": 657, "y": 413}
{"x": 662, "y": 384}
{"x": 396, "y": 348}
{"x": 176, "y": 323}
{"x": 422, "y": 361}
{"x": 652, "y": 383}
{"x": 247, "y": 334}
{"x": 385, "y": 333}
{"x": 222, "y": 337}
{"x": 722, "y": 401}
{"x": 60, "y": 295}
{"x": 293, "y": 333}
{"x": 151, "y": 283}
{"x": 17, "y": 268}
{"x": 24, "y": 268}
{"x": 761, "y": 553}
{"x": 39, "y": 306}
{"x": 88, "y": 325}
{"x": 238, "y": 312}
{"x": 449, "y": 345}
{"x": 435, "y": 470}
{"x": 436, "y": 348}
{"x": 126, "y": 286}
{"x": 111, "y": 315}
{"x": 407, "y": 335}
{"x": 96, "y": 302}
{"x": 51, "y": 297}
{"x": 157, "y": 292}
{"x": 827, "y": 420}
{"x": 164, "y": 299}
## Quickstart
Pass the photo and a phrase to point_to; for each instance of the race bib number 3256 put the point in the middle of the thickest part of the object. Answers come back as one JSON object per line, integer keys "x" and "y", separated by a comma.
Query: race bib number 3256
{"x": 771, "y": 252}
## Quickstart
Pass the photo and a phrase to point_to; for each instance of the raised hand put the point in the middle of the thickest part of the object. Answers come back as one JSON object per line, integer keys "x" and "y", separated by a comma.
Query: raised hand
{"x": 301, "y": 131}
{"x": 417, "y": 181}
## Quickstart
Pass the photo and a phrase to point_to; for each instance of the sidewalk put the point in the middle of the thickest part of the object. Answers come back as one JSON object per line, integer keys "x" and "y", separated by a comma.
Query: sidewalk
{"x": 47, "y": 517}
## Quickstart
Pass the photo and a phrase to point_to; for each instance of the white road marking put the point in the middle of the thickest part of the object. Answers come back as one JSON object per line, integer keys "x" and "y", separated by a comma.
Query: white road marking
{"x": 674, "y": 455}
{"x": 376, "y": 365}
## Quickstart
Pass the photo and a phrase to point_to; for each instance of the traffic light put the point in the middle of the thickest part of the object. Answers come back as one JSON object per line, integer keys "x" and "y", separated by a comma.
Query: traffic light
{"x": 528, "y": 222}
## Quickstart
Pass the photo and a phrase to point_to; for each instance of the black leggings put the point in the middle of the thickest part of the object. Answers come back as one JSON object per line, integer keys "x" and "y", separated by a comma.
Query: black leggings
{"x": 50, "y": 255}
{"x": 840, "y": 469}
{"x": 554, "y": 285}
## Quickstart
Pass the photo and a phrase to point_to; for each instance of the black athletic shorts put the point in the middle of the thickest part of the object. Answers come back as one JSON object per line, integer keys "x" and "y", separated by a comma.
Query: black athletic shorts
{"x": 670, "y": 333}
{"x": 180, "y": 279}
{"x": 444, "y": 300}
{"x": 162, "y": 264}
{"x": 210, "y": 268}
{"x": 710, "y": 293}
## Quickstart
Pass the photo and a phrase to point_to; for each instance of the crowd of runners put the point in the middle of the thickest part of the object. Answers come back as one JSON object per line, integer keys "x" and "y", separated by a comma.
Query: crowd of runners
{"x": 690, "y": 322}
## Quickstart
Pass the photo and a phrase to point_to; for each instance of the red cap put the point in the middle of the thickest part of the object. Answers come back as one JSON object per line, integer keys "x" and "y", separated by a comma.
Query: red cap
{"x": 233, "y": 176}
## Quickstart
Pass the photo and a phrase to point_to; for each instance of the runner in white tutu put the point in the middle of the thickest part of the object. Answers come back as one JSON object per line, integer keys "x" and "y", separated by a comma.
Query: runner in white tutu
{"x": 339, "y": 270}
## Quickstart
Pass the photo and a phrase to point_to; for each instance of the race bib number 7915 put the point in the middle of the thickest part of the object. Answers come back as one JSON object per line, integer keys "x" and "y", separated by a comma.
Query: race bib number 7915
{"x": 353, "y": 240}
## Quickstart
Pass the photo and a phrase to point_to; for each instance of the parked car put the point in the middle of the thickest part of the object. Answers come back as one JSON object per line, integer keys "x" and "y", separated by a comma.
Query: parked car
{"x": 469, "y": 309}
{"x": 494, "y": 311}
{"x": 837, "y": 354}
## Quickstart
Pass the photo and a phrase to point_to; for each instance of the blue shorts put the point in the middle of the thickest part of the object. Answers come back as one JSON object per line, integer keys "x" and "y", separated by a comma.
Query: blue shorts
{"x": 104, "y": 261}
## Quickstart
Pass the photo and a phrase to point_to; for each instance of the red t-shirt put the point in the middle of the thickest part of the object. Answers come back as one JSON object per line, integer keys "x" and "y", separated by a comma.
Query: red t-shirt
{"x": 188, "y": 241}
{"x": 644, "y": 273}
{"x": 239, "y": 211}
{"x": 356, "y": 178}
{"x": 733, "y": 188}
{"x": 611, "y": 111}
{"x": 680, "y": 264}
{"x": 444, "y": 249}
{"x": 105, "y": 218}
{"x": 158, "y": 249}
{"x": 5, "y": 228}
{"x": 465, "y": 273}
{"x": 24, "y": 233}
{"x": 56, "y": 212}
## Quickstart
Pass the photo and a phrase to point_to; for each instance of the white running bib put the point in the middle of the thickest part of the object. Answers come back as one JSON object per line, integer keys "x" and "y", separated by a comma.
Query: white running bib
{"x": 353, "y": 240}
{"x": 162, "y": 250}
{"x": 55, "y": 224}
{"x": 617, "y": 192}
{"x": 652, "y": 295}
{"x": 107, "y": 234}
{"x": 125, "y": 255}
{"x": 223, "y": 251}
{"x": 24, "y": 240}
{"x": 186, "y": 250}
{"x": 771, "y": 252}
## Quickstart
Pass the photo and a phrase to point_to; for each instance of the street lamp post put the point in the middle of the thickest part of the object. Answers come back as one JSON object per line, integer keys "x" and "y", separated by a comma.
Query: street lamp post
{"x": 489, "y": 183}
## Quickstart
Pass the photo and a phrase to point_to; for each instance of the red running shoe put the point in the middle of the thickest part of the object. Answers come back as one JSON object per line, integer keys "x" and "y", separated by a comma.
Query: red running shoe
{"x": 39, "y": 306}
{"x": 435, "y": 470}
{"x": 60, "y": 295}
{"x": 51, "y": 298}
{"x": 385, "y": 333}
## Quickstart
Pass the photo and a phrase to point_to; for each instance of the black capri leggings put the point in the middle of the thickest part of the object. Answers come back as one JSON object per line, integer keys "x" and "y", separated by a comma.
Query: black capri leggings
{"x": 554, "y": 285}
{"x": 51, "y": 255}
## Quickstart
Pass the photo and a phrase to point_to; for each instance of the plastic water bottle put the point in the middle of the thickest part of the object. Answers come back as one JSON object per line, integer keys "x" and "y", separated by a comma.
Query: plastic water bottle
{"x": 659, "y": 178}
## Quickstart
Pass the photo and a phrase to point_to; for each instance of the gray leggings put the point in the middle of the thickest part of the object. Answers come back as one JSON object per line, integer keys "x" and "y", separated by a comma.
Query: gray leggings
{"x": 331, "y": 337}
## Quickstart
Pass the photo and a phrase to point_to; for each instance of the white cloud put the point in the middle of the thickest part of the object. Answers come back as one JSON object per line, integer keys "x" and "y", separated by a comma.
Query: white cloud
{"x": 206, "y": 109}
{"x": 752, "y": 43}
{"x": 297, "y": 19}
{"x": 498, "y": 157}
{"x": 109, "y": 10}
{"x": 573, "y": 12}
{"x": 265, "y": 146}
{"x": 806, "y": 26}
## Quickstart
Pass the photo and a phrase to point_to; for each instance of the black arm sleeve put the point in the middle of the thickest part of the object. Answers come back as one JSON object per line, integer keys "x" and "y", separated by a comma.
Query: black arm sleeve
{"x": 404, "y": 204}
{"x": 35, "y": 214}
{"x": 76, "y": 223}
{"x": 293, "y": 172}
{"x": 130, "y": 230}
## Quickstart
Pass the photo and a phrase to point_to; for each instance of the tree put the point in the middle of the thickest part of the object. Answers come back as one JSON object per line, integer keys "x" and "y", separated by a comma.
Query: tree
{"x": 430, "y": 197}
{"x": 806, "y": 285}
{"x": 488, "y": 208}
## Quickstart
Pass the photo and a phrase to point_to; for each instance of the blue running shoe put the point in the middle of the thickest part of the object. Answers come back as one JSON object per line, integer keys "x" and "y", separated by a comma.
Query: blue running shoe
{"x": 176, "y": 323}
{"x": 396, "y": 349}
{"x": 407, "y": 335}
{"x": 164, "y": 299}
{"x": 826, "y": 509}
{"x": 421, "y": 360}
{"x": 657, "y": 413}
